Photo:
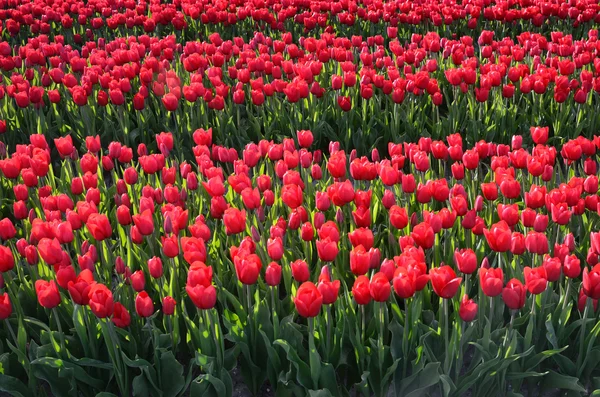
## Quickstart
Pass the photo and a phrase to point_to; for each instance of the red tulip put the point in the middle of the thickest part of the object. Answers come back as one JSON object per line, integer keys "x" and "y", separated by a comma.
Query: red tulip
{"x": 5, "y": 306}
{"x": 168, "y": 306}
{"x": 444, "y": 281}
{"x": 423, "y": 235}
{"x": 514, "y": 294}
{"x": 7, "y": 261}
{"x": 273, "y": 274}
{"x": 491, "y": 281}
{"x": 361, "y": 291}
{"x": 465, "y": 260}
{"x": 300, "y": 271}
{"x": 120, "y": 316}
{"x": 143, "y": 305}
{"x": 308, "y": 300}
{"x": 468, "y": 309}
{"x": 234, "y": 221}
{"x": 327, "y": 249}
{"x": 535, "y": 279}
{"x": 379, "y": 287}
{"x": 328, "y": 289}
{"x": 591, "y": 282}
{"x": 204, "y": 298}
{"x": 498, "y": 236}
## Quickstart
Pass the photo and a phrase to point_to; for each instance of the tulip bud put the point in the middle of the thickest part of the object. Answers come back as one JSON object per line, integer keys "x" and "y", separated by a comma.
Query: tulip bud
{"x": 339, "y": 216}
{"x": 119, "y": 265}
{"x": 485, "y": 263}
{"x": 168, "y": 225}
{"x": 255, "y": 234}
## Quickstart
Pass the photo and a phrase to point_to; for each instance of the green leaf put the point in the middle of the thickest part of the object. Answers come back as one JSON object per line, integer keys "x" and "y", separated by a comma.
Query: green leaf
{"x": 554, "y": 380}
{"x": 14, "y": 386}
{"x": 208, "y": 385}
{"x": 303, "y": 375}
{"x": 172, "y": 380}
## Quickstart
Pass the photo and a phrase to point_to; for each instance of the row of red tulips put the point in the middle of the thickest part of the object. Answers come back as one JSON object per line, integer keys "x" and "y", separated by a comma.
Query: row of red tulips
{"x": 441, "y": 266}
{"x": 137, "y": 84}
{"x": 85, "y": 19}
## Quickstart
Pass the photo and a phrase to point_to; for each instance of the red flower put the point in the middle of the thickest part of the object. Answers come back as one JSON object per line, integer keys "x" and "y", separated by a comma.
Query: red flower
{"x": 539, "y": 135}
{"x": 101, "y": 301}
{"x": 247, "y": 268}
{"x": 273, "y": 274}
{"x": 80, "y": 287}
{"x": 468, "y": 309}
{"x": 170, "y": 101}
{"x": 361, "y": 291}
{"x": 308, "y": 300}
{"x": 50, "y": 251}
{"x": 491, "y": 281}
{"x": 143, "y": 305}
{"x": 121, "y": 317}
{"x": 591, "y": 282}
{"x": 99, "y": 226}
{"x": 360, "y": 260}
{"x": 514, "y": 294}
{"x": 398, "y": 217}
{"x": 572, "y": 266}
{"x": 536, "y": 279}
{"x": 204, "y": 298}
{"x": 444, "y": 281}
{"x": 5, "y": 306}
{"x": 328, "y": 289}
{"x": 465, "y": 260}
{"x": 47, "y": 293}
{"x": 168, "y": 305}
{"x": 300, "y": 271}
{"x": 170, "y": 246}
{"x": 423, "y": 235}
{"x": 144, "y": 223}
{"x": 498, "y": 236}
{"x": 327, "y": 249}
{"x": 379, "y": 287}
{"x": 305, "y": 138}
{"x": 234, "y": 220}
{"x": 64, "y": 145}
{"x": 7, "y": 261}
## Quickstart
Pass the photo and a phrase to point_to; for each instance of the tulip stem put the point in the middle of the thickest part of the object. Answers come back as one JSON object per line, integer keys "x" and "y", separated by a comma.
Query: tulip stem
{"x": 61, "y": 336}
{"x": 12, "y": 333}
{"x": 328, "y": 342}
{"x": 491, "y": 312}
{"x": 312, "y": 359}
{"x": 582, "y": 334}
{"x": 381, "y": 328}
{"x": 446, "y": 330}
{"x": 362, "y": 318}
{"x": 567, "y": 291}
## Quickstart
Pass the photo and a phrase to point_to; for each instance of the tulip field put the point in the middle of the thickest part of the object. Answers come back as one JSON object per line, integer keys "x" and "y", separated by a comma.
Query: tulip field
{"x": 299, "y": 198}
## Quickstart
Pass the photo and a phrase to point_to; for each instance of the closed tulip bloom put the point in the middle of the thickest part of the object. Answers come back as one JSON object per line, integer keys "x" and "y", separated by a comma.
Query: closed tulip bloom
{"x": 143, "y": 305}
{"x": 300, "y": 271}
{"x": 552, "y": 267}
{"x": 489, "y": 191}
{"x": 247, "y": 268}
{"x": 535, "y": 279}
{"x": 234, "y": 221}
{"x": 328, "y": 289}
{"x": 572, "y": 266}
{"x": 120, "y": 316}
{"x": 7, "y": 260}
{"x": 517, "y": 244}
{"x": 498, "y": 236}
{"x": 292, "y": 196}
{"x": 361, "y": 290}
{"x": 101, "y": 301}
{"x": 204, "y": 298}
{"x": 50, "y": 251}
{"x": 380, "y": 287}
{"x": 5, "y": 306}
{"x": 536, "y": 243}
{"x": 327, "y": 249}
{"x": 539, "y": 135}
{"x": 144, "y": 223}
{"x": 465, "y": 260}
{"x": 360, "y": 260}
{"x": 595, "y": 242}
{"x": 273, "y": 274}
{"x": 275, "y": 248}
{"x": 398, "y": 217}
{"x": 168, "y": 305}
{"x": 138, "y": 281}
{"x": 99, "y": 226}
{"x": 444, "y": 281}
{"x": 155, "y": 267}
{"x": 80, "y": 287}
{"x": 308, "y": 300}
{"x": 404, "y": 283}
{"x": 514, "y": 294}
{"x": 468, "y": 309}
{"x": 170, "y": 246}
{"x": 591, "y": 282}
{"x": 423, "y": 235}
{"x": 491, "y": 281}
